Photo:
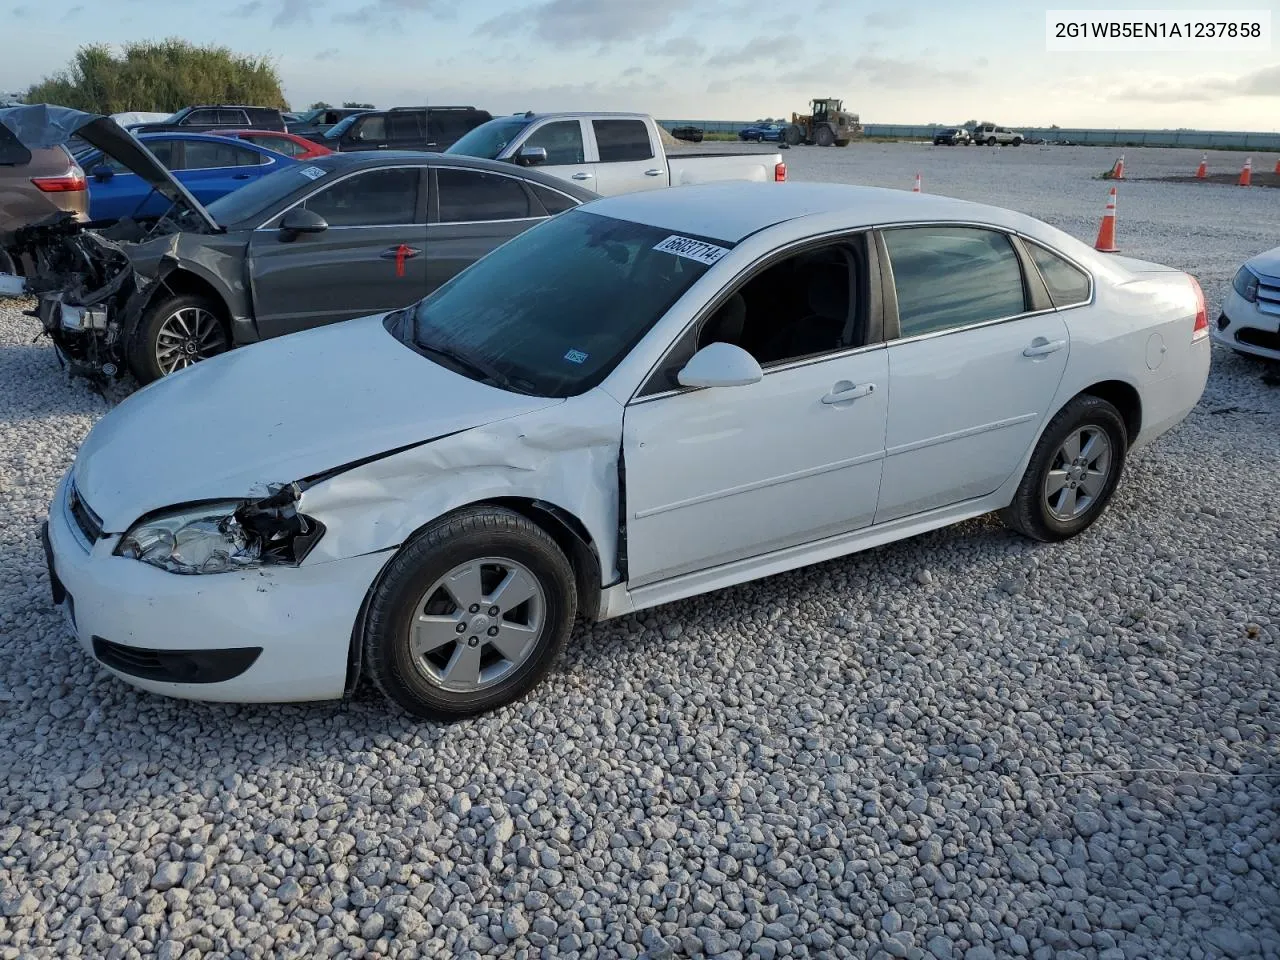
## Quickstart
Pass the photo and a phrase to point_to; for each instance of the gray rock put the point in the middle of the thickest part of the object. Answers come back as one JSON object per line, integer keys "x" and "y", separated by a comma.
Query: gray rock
{"x": 514, "y": 923}
{"x": 167, "y": 876}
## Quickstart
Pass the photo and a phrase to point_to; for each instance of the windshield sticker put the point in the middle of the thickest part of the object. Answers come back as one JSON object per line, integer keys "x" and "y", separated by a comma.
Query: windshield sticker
{"x": 576, "y": 356}
{"x": 312, "y": 173}
{"x": 697, "y": 250}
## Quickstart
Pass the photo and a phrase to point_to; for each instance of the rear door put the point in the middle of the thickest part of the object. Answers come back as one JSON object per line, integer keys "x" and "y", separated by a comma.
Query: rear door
{"x": 471, "y": 213}
{"x": 629, "y": 159}
{"x": 371, "y": 257}
{"x": 974, "y": 367}
{"x": 406, "y": 130}
{"x": 211, "y": 170}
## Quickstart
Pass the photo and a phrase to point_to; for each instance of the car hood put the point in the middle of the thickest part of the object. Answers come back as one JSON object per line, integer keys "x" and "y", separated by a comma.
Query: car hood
{"x": 42, "y": 126}
{"x": 283, "y": 410}
{"x": 1266, "y": 264}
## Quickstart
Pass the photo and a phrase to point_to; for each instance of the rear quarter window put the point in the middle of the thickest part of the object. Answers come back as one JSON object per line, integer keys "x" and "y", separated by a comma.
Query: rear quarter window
{"x": 1067, "y": 283}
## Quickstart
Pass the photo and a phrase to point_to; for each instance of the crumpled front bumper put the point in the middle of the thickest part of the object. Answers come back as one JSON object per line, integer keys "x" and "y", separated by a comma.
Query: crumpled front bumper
{"x": 147, "y": 626}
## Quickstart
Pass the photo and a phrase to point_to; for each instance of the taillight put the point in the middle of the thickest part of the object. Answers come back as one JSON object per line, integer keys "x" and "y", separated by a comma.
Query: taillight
{"x": 1201, "y": 329}
{"x": 70, "y": 182}
{"x": 779, "y": 173}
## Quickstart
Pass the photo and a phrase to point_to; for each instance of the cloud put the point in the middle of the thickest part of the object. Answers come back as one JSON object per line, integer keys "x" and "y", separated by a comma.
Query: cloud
{"x": 758, "y": 48}
{"x": 1259, "y": 83}
{"x": 329, "y": 53}
{"x": 73, "y": 12}
{"x": 678, "y": 47}
{"x": 892, "y": 72}
{"x": 585, "y": 22}
{"x": 375, "y": 13}
{"x": 247, "y": 9}
{"x": 888, "y": 19}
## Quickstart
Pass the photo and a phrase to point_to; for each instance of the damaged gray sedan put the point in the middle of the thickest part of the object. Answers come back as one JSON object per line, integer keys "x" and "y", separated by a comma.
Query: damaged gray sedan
{"x": 341, "y": 237}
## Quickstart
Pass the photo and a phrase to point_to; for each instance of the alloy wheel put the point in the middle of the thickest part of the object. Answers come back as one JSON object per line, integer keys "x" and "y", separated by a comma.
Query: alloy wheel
{"x": 1078, "y": 474}
{"x": 187, "y": 336}
{"x": 477, "y": 624}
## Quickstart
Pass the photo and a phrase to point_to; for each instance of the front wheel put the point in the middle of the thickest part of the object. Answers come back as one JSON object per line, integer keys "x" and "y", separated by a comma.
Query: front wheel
{"x": 470, "y": 615}
{"x": 1073, "y": 472}
{"x": 991, "y": 141}
{"x": 174, "y": 333}
{"x": 825, "y": 137}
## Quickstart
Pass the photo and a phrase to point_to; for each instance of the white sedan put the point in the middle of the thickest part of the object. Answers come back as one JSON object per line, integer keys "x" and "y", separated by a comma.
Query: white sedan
{"x": 649, "y": 397}
{"x": 1250, "y": 318}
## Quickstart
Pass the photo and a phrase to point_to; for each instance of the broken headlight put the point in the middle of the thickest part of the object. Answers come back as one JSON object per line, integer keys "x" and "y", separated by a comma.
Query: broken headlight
{"x": 224, "y": 536}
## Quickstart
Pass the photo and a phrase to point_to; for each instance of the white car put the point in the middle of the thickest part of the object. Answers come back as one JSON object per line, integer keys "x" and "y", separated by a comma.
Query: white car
{"x": 1250, "y": 318}
{"x": 646, "y": 398}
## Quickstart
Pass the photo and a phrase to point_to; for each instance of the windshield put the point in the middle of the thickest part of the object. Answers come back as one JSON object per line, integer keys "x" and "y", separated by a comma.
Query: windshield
{"x": 490, "y": 139}
{"x": 251, "y": 201}
{"x": 176, "y": 117}
{"x": 553, "y": 311}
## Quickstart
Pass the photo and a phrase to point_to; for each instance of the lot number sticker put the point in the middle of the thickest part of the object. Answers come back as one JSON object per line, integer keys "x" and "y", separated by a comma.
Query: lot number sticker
{"x": 313, "y": 173}
{"x": 690, "y": 249}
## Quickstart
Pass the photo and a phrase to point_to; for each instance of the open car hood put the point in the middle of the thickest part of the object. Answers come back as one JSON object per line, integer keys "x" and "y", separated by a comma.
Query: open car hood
{"x": 42, "y": 126}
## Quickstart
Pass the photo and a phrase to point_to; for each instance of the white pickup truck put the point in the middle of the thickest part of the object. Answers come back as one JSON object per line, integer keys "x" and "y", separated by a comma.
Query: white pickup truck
{"x": 610, "y": 153}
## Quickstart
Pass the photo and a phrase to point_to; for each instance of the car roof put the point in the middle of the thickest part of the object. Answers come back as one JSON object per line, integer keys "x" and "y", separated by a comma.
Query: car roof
{"x": 732, "y": 211}
{"x": 345, "y": 162}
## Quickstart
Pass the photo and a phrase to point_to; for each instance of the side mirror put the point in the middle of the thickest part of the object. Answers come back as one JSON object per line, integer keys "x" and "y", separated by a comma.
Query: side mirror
{"x": 300, "y": 220}
{"x": 102, "y": 173}
{"x": 720, "y": 365}
{"x": 532, "y": 156}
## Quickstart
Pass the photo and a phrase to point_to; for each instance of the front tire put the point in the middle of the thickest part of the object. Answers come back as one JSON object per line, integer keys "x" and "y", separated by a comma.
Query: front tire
{"x": 1073, "y": 472}
{"x": 470, "y": 615}
{"x": 991, "y": 141}
{"x": 825, "y": 137}
{"x": 174, "y": 333}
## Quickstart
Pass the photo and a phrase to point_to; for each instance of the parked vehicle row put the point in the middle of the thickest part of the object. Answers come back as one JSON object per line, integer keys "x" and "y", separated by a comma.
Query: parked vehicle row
{"x": 987, "y": 134}
{"x": 611, "y": 153}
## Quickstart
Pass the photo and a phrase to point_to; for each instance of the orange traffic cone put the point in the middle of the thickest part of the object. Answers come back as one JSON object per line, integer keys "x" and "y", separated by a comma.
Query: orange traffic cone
{"x": 1106, "y": 241}
{"x": 1246, "y": 174}
{"x": 1278, "y": 168}
{"x": 1117, "y": 172}
{"x": 916, "y": 188}
{"x": 1202, "y": 171}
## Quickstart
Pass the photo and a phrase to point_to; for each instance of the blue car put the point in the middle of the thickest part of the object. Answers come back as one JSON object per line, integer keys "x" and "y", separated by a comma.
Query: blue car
{"x": 760, "y": 132}
{"x": 210, "y": 167}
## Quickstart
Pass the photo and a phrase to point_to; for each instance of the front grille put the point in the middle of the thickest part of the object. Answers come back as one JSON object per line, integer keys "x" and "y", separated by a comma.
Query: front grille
{"x": 1258, "y": 338}
{"x": 1269, "y": 295}
{"x": 88, "y": 522}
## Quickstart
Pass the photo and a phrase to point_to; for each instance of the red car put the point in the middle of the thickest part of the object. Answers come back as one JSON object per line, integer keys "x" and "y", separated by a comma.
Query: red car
{"x": 291, "y": 145}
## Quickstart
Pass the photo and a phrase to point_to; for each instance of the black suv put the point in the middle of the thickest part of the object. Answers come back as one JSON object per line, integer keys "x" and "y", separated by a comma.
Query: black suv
{"x": 403, "y": 128}
{"x": 216, "y": 117}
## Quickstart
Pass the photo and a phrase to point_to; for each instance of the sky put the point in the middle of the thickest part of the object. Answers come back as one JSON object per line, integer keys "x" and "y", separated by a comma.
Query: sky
{"x": 891, "y": 62}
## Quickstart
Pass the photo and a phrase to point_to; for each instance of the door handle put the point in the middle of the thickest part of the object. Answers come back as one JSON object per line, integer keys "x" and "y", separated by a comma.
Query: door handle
{"x": 582, "y": 176}
{"x": 845, "y": 391}
{"x": 240, "y": 176}
{"x": 653, "y": 173}
{"x": 406, "y": 252}
{"x": 1040, "y": 347}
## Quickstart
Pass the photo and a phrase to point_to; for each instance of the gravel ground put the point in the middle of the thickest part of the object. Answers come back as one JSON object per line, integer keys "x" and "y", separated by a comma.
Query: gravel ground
{"x": 961, "y": 746}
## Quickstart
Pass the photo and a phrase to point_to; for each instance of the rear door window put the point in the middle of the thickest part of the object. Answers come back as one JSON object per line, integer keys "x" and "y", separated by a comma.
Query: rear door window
{"x": 622, "y": 140}
{"x": 469, "y": 196}
{"x": 404, "y": 127}
{"x": 949, "y": 277}
{"x": 208, "y": 155}
{"x": 233, "y": 118}
{"x": 375, "y": 198}
{"x": 373, "y": 129}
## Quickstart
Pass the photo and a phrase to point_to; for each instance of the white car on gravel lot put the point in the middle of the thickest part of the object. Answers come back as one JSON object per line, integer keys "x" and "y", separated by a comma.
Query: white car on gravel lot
{"x": 650, "y": 397}
{"x": 1250, "y": 318}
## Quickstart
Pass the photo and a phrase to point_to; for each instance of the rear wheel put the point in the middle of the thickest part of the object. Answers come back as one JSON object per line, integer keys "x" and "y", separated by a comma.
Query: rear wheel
{"x": 175, "y": 333}
{"x": 470, "y": 615}
{"x": 1073, "y": 472}
{"x": 825, "y": 137}
{"x": 1017, "y": 141}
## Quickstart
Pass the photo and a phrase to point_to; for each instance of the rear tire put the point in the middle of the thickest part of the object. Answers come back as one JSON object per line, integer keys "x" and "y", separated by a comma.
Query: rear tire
{"x": 825, "y": 137}
{"x": 1073, "y": 472}
{"x": 492, "y": 547}
{"x": 1017, "y": 141}
{"x": 174, "y": 333}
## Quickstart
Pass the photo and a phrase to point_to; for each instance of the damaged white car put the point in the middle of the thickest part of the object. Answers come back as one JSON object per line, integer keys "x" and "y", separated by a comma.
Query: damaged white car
{"x": 646, "y": 398}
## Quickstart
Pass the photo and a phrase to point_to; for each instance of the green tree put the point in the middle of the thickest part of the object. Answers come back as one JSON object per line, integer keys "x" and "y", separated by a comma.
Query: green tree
{"x": 164, "y": 75}
{"x": 320, "y": 105}
{"x": 352, "y": 103}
